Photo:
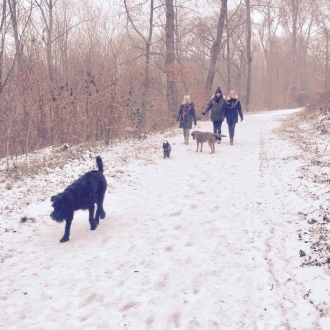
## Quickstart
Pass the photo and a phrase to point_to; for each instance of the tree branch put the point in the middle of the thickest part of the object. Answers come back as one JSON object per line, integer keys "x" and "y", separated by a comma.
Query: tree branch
{"x": 132, "y": 23}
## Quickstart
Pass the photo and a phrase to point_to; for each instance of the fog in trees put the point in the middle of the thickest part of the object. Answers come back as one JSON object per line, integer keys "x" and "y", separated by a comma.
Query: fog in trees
{"x": 80, "y": 71}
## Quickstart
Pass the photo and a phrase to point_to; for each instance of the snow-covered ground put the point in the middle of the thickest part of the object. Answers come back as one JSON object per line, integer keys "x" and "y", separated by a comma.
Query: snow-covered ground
{"x": 197, "y": 241}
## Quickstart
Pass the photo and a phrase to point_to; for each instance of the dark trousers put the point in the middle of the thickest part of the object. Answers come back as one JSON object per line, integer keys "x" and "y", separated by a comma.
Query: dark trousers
{"x": 186, "y": 133}
{"x": 231, "y": 129}
{"x": 217, "y": 128}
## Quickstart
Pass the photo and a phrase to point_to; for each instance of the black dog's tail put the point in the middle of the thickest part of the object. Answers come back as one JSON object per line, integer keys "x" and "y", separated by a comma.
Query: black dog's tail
{"x": 99, "y": 164}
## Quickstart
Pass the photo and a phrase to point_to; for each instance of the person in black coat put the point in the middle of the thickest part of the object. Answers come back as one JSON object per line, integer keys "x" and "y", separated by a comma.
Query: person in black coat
{"x": 218, "y": 106}
{"x": 233, "y": 110}
{"x": 186, "y": 117}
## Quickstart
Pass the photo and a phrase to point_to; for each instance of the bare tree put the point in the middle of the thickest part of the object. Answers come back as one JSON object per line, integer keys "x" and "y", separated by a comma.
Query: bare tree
{"x": 214, "y": 54}
{"x": 3, "y": 38}
{"x": 172, "y": 96}
{"x": 147, "y": 42}
{"x": 16, "y": 100}
{"x": 228, "y": 53}
{"x": 24, "y": 19}
{"x": 60, "y": 84}
{"x": 297, "y": 21}
{"x": 46, "y": 8}
{"x": 248, "y": 55}
{"x": 292, "y": 17}
{"x": 267, "y": 32}
{"x": 322, "y": 18}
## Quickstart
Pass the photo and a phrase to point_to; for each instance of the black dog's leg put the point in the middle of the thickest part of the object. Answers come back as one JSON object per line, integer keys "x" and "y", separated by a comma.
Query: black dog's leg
{"x": 66, "y": 235}
{"x": 92, "y": 222}
{"x": 100, "y": 211}
{"x": 99, "y": 214}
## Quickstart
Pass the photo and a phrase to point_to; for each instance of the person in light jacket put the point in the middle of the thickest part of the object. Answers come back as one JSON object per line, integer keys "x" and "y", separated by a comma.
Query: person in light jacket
{"x": 234, "y": 110}
{"x": 186, "y": 116}
{"x": 218, "y": 106}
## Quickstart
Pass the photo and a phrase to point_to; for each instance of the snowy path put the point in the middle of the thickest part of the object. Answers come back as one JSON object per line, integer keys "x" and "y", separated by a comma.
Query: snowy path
{"x": 197, "y": 241}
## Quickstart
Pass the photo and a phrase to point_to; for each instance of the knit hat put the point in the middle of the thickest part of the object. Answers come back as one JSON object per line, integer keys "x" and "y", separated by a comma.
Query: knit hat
{"x": 218, "y": 91}
{"x": 186, "y": 96}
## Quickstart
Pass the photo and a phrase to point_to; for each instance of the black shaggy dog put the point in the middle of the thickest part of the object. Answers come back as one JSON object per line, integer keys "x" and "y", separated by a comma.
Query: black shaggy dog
{"x": 166, "y": 149}
{"x": 81, "y": 195}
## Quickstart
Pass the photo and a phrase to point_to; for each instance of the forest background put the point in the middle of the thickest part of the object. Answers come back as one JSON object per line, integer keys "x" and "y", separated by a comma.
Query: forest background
{"x": 84, "y": 71}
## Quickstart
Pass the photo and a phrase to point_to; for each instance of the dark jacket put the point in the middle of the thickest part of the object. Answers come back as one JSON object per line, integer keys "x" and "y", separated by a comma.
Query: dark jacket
{"x": 218, "y": 109}
{"x": 233, "y": 110}
{"x": 186, "y": 115}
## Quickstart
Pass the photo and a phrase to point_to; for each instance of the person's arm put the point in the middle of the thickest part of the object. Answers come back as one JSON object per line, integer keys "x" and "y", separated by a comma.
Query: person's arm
{"x": 224, "y": 108}
{"x": 179, "y": 113}
{"x": 239, "y": 109}
{"x": 209, "y": 106}
{"x": 193, "y": 112}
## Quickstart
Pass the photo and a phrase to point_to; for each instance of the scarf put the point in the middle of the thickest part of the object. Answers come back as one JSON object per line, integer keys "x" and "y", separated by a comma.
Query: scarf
{"x": 231, "y": 105}
{"x": 185, "y": 109}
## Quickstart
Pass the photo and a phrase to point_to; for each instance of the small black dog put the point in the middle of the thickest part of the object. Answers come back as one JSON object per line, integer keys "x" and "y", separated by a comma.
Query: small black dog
{"x": 166, "y": 149}
{"x": 81, "y": 195}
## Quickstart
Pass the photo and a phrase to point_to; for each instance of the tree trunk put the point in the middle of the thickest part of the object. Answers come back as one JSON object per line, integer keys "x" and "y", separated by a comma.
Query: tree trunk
{"x": 172, "y": 93}
{"x": 326, "y": 58}
{"x": 49, "y": 32}
{"x": 216, "y": 46}
{"x": 18, "y": 55}
{"x": 248, "y": 55}
{"x": 269, "y": 64}
{"x": 140, "y": 117}
{"x": 292, "y": 68}
{"x": 228, "y": 55}
{"x": 145, "y": 99}
{"x": 2, "y": 46}
{"x": 49, "y": 42}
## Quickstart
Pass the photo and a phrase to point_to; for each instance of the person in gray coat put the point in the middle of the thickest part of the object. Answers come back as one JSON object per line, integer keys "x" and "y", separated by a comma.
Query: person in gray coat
{"x": 218, "y": 106}
{"x": 186, "y": 116}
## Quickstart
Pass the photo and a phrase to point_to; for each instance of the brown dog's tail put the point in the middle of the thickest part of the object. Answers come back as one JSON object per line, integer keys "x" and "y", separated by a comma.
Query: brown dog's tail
{"x": 99, "y": 164}
{"x": 219, "y": 135}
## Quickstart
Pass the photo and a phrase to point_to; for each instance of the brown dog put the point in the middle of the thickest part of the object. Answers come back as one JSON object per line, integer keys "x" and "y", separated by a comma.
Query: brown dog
{"x": 202, "y": 137}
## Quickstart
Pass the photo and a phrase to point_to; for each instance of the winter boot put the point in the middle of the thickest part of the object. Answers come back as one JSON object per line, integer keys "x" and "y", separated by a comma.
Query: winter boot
{"x": 231, "y": 141}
